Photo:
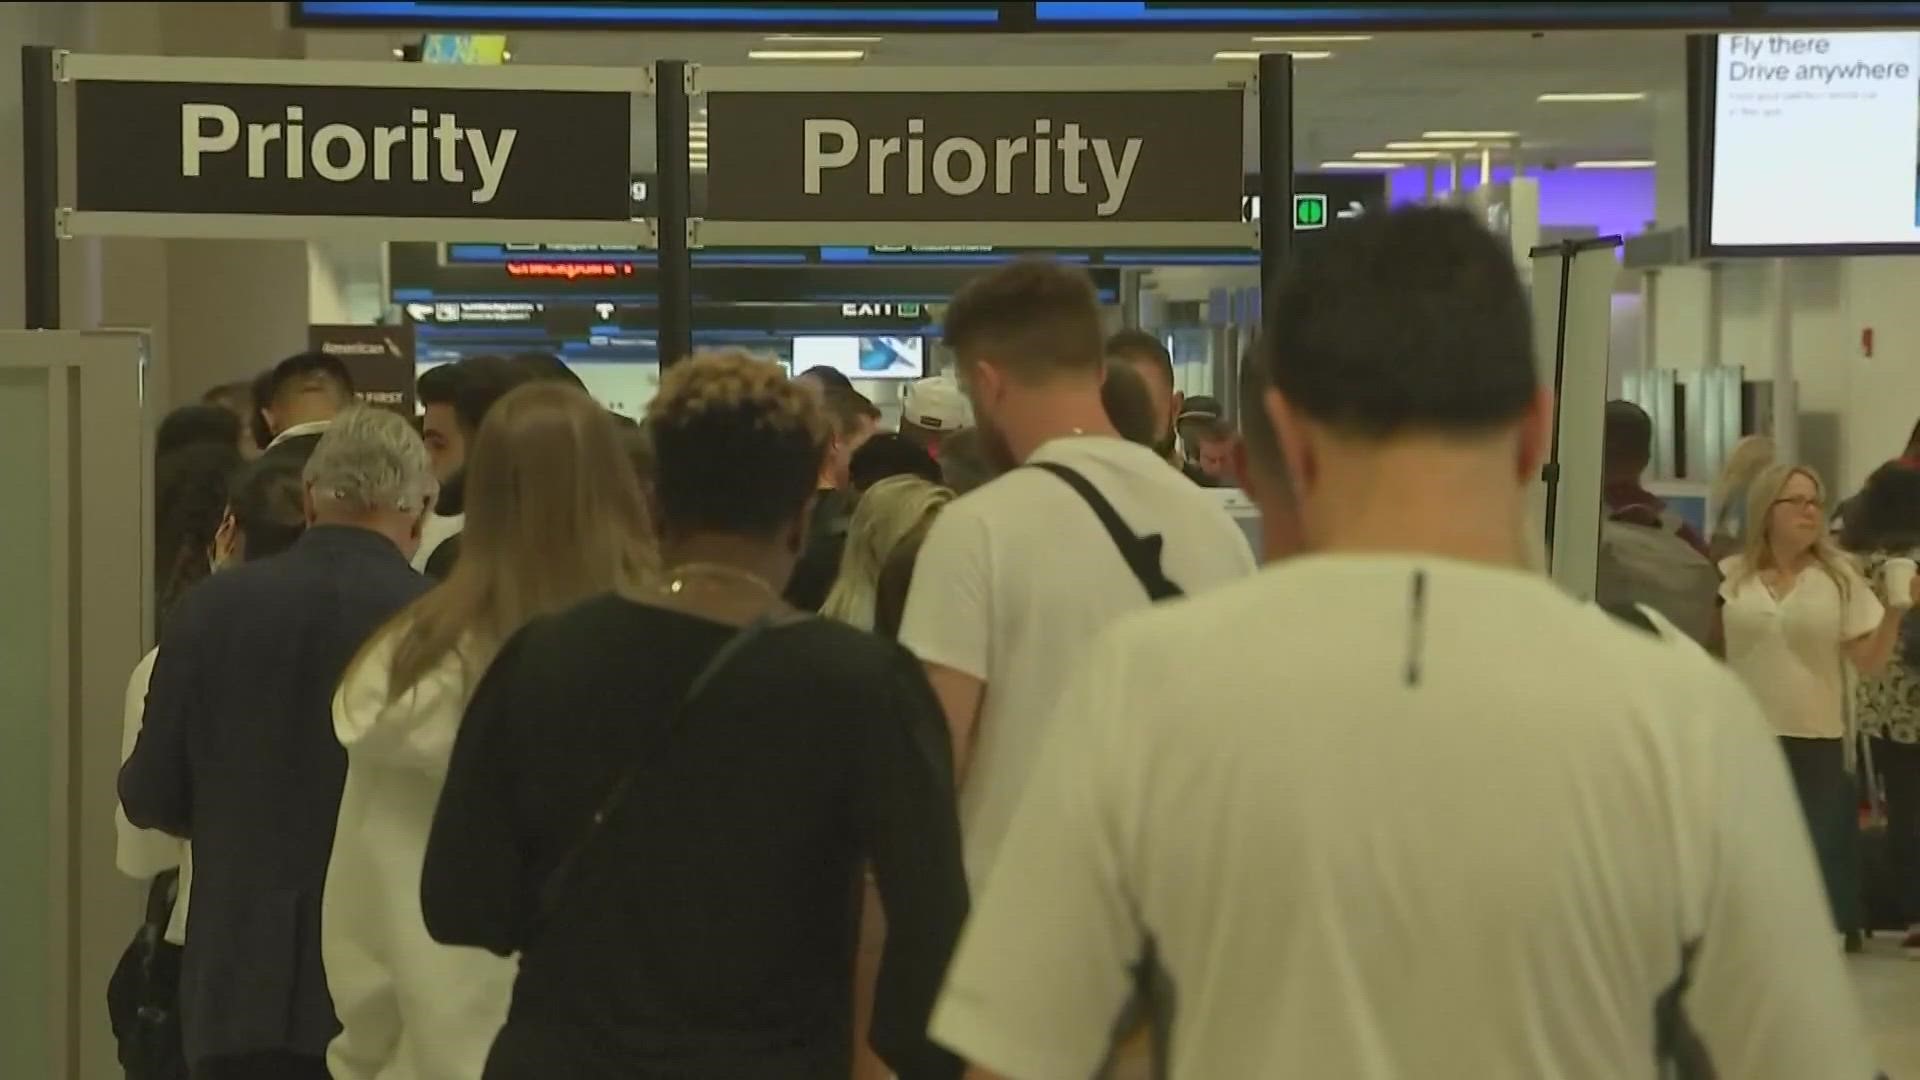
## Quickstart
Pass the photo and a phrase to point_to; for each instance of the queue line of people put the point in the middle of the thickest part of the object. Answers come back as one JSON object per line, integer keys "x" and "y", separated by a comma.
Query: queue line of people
{"x": 599, "y": 804}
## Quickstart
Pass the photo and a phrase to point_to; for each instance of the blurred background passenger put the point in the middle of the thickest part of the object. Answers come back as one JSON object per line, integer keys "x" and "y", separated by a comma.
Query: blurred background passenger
{"x": 440, "y": 425}
{"x": 553, "y": 517}
{"x": 824, "y": 378}
{"x": 851, "y": 420}
{"x": 237, "y": 398}
{"x": 304, "y": 393}
{"x": 476, "y": 383}
{"x": 217, "y": 516}
{"x": 1148, "y": 356}
{"x": 1748, "y": 458}
{"x": 964, "y": 461}
{"x": 672, "y": 847}
{"x": 887, "y": 455}
{"x": 887, "y": 512}
{"x": 1129, "y": 403}
{"x": 189, "y": 425}
{"x": 1796, "y": 613}
{"x": 1883, "y": 526}
{"x": 190, "y": 487}
{"x": 1211, "y": 441}
{"x": 931, "y": 409}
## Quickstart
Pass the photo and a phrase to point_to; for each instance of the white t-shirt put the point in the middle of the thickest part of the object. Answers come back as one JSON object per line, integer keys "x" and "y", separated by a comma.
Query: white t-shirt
{"x": 146, "y": 853}
{"x": 1788, "y": 650}
{"x": 1014, "y": 580}
{"x": 1386, "y": 818}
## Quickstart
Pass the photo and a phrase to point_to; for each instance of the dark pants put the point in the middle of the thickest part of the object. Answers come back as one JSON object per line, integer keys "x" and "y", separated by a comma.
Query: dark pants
{"x": 277, "y": 1065}
{"x": 1899, "y": 768}
{"x": 1828, "y": 799}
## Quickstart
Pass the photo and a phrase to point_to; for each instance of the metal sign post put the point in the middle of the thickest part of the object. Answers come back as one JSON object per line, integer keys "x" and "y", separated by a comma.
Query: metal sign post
{"x": 673, "y": 203}
{"x": 1276, "y": 167}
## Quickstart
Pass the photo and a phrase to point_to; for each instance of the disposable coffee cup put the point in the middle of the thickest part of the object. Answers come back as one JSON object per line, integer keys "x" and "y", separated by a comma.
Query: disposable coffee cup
{"x": 1896, "y": 578}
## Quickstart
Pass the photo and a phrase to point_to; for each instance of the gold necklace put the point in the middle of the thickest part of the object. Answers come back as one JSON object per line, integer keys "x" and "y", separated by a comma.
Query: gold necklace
{"x": 677, "y": 576}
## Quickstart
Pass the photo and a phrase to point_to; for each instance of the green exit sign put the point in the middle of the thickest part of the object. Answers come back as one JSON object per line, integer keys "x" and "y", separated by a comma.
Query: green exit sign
{"x": 1309, "y": 211}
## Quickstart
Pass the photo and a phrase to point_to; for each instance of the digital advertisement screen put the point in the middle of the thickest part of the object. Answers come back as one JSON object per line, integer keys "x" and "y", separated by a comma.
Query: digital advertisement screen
{"x": 1814, "y": 143}
{"x": 863, "y": 357}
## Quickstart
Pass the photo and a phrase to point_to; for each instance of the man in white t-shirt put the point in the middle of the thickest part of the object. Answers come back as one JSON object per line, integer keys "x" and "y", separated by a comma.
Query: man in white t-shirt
{"x": 1015, "y": 578}
{"x": 1399, "y": 808}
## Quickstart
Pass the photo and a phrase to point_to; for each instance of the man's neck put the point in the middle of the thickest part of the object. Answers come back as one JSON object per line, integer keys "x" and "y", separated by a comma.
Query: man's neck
{"x": 1044, "y": 415}
{"x": 298, "y": 413}
{"x": 1427, "y": 497}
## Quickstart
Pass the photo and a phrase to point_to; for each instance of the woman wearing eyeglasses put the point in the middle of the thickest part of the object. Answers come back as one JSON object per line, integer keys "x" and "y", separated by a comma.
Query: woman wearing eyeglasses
{"x": 1797, "y": 612}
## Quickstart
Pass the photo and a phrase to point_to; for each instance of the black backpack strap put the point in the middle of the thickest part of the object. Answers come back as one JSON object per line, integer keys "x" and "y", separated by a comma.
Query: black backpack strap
{"x": 554, "y": 887}
{"x": 1142, "y": 553}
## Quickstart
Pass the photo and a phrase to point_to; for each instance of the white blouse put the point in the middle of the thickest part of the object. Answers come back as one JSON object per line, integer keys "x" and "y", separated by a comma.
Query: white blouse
{"x": 1788, "y": 650}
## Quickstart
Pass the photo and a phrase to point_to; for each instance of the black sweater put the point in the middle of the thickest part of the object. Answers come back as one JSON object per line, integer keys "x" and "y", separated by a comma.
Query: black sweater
{"x": 708, "y": 929}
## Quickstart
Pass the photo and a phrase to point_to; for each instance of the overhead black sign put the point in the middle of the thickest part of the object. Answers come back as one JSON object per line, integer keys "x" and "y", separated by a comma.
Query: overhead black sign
{"x": 1054, "y": 156}
{"x": 355, "y": 151}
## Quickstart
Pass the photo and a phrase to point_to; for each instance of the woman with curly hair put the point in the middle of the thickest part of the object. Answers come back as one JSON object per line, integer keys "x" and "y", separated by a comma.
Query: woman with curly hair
{"x": 663, "y": 799}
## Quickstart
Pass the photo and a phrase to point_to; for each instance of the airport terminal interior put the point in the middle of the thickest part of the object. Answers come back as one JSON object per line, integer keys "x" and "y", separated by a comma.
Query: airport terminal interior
{"x": 1715, "y": 207}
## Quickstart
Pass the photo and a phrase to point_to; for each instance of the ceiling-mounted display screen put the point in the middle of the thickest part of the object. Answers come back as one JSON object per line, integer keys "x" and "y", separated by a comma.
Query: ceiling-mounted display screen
{"x": 771, "y": 16}
{"x": 1278, "y": 16}
{"x": 1808, "y": 142}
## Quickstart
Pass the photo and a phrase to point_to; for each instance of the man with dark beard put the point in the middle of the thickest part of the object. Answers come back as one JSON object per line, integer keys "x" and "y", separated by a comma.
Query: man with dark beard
{"x": 1149, "y": 357}
{"x": 1015, "y": 578}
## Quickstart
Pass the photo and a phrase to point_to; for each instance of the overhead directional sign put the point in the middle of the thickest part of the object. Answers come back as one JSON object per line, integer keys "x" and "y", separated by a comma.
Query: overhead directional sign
{"x": 404, "y": 143}
{"x": 1050, "y": 155}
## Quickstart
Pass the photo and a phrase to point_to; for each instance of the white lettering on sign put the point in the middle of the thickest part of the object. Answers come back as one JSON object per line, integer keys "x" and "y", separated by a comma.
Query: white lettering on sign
{"x": 340, "y": 152}
{"x": 962, "y": 165}
{"x": 861, "y": 310}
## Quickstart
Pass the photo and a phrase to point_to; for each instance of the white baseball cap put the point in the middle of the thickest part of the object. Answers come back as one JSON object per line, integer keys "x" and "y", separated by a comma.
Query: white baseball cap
{"x": 936, "y": 404}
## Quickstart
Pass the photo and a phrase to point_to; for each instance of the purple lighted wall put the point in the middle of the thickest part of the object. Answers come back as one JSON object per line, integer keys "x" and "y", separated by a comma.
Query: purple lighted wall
{"x": 1610, "y": 200}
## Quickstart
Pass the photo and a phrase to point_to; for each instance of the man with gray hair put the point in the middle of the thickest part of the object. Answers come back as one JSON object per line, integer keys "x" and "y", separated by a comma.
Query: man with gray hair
{"x": 238, "y": 753}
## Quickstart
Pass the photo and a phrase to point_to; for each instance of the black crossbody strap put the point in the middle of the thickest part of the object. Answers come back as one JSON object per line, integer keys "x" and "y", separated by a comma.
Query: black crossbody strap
{"x": 554, "y": 887}
{"x": 1142, "y": 553}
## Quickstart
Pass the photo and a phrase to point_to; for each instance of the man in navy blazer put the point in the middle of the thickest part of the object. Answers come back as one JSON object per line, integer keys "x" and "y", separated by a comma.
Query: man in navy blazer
{"x": 238, "y": 754}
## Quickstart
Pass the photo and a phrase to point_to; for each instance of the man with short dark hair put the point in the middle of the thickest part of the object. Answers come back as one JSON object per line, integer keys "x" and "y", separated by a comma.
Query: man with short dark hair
{"x": 439, "y": 427}
{"x": 1129, "y": 403}
{"x": 471, "y": 388}
{"x": 1579, "y": 853}
{"x": 1148, "y": 355}
{"x": 237, "y": 752}
{"x": 303, "y": 393}
{"x": 1626, "y": 452}
{"x": 1016, "y": 577}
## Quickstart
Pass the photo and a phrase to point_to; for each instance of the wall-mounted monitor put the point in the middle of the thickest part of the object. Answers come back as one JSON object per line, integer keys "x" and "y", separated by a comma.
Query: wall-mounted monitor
{"x": 866, "y": 356}
{"x": 1805, "y": 143}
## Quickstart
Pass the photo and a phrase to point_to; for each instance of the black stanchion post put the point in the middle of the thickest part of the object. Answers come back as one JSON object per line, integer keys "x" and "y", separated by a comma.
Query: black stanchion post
{"x": 1276, "y": 165}
{"x": 40, "y": 188}
{"x": 672, "y": 202}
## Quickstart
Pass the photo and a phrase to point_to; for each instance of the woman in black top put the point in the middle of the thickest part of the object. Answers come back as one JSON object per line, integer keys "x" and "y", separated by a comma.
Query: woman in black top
{"x": 705, "y": 929}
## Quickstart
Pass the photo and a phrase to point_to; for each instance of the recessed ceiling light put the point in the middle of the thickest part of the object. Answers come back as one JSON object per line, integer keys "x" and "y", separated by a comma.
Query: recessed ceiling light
{"x": 825, "y": 39}
{"x": 1395, "y": 155}
{"x": 1435, "y": 144}
{"x": 1621, "y": 163}
{"x": 1245, "y": 55}
{"x": 1469, "y": 134}
{"x": 1310, "y": 39}
{"x": 1368, "y": 166}
{"x": 806, "y": 54}
{"x": 1601, "y": 97}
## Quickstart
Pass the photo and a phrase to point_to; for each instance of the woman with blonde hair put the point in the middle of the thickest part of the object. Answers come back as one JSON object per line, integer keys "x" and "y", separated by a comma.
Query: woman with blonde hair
{"x": 1797, "y": 613}
{"x": 1748, "y": 458}
{"x": 887, "y": 513}
{"x": 554, "y": 516}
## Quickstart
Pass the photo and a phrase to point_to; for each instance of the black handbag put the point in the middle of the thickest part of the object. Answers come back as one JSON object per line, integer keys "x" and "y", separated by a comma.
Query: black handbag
{"x": 143, "y": 996}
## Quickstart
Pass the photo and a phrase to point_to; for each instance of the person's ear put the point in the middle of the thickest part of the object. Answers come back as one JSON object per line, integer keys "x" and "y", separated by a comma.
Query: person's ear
{"x": 1536, "y": 435}
{"x": 1291, "y": 428}
{"x": 225, "y": 538}
{"x": 1179, "y": 400}
{"x": 307, "y": 504}
{"x": 1243, "y": 474}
